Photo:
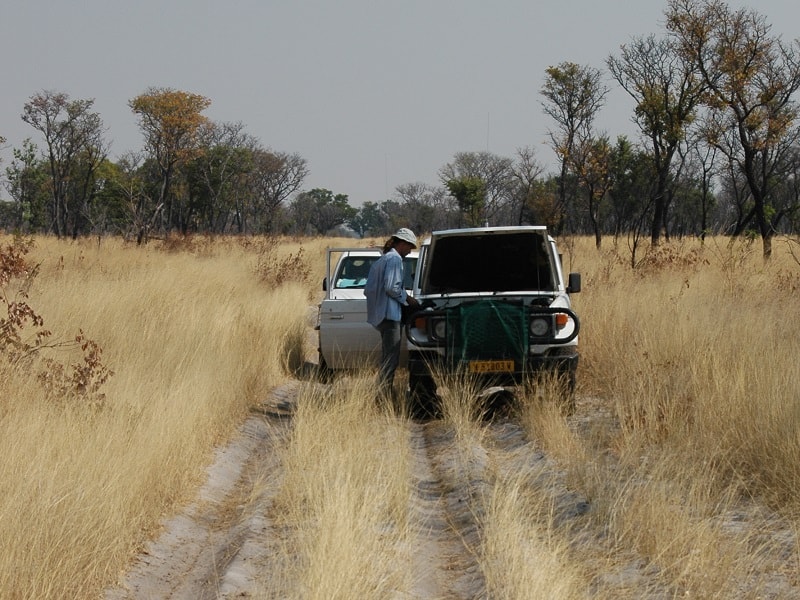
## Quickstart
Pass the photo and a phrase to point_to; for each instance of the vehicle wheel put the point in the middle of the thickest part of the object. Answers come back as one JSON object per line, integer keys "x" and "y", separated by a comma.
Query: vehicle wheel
{"x": 422, "y": 396}
{"x": 324, "y": 372}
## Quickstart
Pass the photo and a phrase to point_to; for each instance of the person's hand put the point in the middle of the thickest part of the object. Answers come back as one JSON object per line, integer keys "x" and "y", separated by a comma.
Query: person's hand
{"x": 411, "y": 301}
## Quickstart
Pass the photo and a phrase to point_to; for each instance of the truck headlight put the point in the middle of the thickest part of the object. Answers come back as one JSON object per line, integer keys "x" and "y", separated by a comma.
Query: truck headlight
{"x": 439, "y": 328}
{"x": 540, "y": 326}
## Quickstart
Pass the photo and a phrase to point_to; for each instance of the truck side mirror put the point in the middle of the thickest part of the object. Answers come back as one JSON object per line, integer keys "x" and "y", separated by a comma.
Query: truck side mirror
{"x": 324, "y": 284}
{"x": 574, "y": 283}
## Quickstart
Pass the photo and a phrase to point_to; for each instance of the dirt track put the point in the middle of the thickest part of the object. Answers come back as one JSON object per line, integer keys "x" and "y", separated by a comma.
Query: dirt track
{"x": 227, "y": 540}
{"x": 215, "y": 549}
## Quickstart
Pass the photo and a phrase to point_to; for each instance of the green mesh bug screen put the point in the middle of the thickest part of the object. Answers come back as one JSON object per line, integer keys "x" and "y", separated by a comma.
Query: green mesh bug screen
{"x": 488, "y": 330}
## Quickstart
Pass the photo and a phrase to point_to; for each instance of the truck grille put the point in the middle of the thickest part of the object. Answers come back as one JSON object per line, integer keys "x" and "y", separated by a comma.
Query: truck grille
{"x": 487, "y": 330}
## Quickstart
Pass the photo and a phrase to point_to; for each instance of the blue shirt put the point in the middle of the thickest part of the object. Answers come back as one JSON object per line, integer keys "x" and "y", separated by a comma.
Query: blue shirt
{"x": 384, "y": 290}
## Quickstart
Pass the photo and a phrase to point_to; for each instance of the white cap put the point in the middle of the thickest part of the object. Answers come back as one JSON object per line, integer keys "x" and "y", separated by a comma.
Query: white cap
{"x": 406, "y": 235}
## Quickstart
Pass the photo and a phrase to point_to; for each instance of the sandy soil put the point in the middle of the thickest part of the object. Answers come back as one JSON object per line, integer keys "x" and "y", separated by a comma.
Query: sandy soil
{"x": 224, "y": 541}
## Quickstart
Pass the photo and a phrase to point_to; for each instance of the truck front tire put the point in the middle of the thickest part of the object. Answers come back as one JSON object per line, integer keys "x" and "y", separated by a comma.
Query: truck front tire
{"x": 421, "y": 395}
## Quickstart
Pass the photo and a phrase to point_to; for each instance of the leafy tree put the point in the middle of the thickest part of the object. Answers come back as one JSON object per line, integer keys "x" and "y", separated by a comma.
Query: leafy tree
{"x": 631, "y": 195}
{"x": 318, "y": 211}
{"x": 470, "y": 194}
{"x": 370, "y": 220}
{"x": 573, "y": 95}
{"x": 789, "y": 189}
{"x": 541, "y": 203}
{"x": 8, "y": 215}
{"x": 496, "y": 174}
{"x": 667, "y": 91}
{"x": 592, "y": 167}
{"x": 171, "y": 123}
{"x": 751, "y": 78}
{"x": 28, "y": 184}
{"x": 75, "y": 148}
{"x": 108, "y": 208}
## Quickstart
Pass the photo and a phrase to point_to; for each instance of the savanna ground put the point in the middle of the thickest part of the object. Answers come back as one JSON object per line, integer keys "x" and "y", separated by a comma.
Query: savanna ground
{"x": 211, "y": 464}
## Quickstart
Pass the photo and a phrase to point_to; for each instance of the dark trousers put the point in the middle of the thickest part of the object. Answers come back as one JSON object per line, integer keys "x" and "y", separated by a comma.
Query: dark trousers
{"x": 390, "y": 354}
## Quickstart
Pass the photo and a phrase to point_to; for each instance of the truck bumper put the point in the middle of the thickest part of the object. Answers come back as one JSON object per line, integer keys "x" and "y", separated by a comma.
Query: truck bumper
{"x": 426, "y": 364}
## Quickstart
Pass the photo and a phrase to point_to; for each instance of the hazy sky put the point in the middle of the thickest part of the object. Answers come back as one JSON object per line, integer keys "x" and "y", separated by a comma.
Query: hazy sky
{"x": 373, "y": 94}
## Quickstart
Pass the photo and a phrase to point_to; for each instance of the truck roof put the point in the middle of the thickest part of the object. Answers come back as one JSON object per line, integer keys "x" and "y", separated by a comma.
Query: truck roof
{"x": 467, "y": 231}
{"x": 485, "y": 230}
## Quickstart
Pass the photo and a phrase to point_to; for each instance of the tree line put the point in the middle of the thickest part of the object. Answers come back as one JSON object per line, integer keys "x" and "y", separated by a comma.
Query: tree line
{"x": 715, "y": 105}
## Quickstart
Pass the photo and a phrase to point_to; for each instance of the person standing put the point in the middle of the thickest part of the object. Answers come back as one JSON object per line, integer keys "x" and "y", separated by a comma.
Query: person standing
{"x": 385, "y": 295}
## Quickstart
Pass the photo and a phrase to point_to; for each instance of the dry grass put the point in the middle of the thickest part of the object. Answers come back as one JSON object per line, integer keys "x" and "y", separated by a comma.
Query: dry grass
{"x": 693, "y": 358}
{"x": 522, "y": 556}
{"x": 344, "y": 500}
{"x": 194, "y": 339}
{"x": 685, "y": 444}
{"x": 702, "y": 358}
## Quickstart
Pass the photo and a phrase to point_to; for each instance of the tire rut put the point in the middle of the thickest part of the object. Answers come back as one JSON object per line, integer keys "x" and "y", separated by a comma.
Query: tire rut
{"x": 446, "y": 563}
{"x": 228, "y": 543}
{"x": 214, "y": 548}
{"x": 454, "y": 479}
{"x": 225, "y": 543}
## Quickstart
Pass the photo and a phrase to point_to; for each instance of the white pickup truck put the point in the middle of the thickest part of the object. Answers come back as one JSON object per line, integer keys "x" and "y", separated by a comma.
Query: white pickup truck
{"x": 346, "y": 340}
{"x": 496, "y": 305}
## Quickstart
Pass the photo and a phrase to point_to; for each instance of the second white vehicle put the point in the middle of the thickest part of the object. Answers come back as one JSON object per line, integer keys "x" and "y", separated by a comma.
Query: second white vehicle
{"x": 346, "y": 340}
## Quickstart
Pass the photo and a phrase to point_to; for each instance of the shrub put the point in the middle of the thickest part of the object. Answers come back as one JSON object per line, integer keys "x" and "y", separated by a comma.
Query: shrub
{"x": 82, "y": 379}
{"x": 277, "y": 270}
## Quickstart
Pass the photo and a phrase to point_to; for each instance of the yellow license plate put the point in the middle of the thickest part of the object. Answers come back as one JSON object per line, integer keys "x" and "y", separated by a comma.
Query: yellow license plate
{"x": 491, "y": 366}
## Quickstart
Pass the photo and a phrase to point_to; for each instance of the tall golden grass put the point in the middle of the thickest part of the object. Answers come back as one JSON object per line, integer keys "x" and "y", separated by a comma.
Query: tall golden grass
{"x": 693, "y": 358}
{"x": 344, "y": 499}
{"x": 685, "y": 444}
{"x": 195, "y": 336}
{"x": 698, "y": 353}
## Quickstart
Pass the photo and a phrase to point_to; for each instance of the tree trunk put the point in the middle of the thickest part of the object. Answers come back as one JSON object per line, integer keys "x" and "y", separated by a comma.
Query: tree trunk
{"x": 658, "y": 216}
{"x": 764, "y": 227}
{"x": 767, "y": 247}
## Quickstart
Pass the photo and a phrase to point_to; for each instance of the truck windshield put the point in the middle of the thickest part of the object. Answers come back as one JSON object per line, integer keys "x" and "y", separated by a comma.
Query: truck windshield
{"x": 354, "y": 270}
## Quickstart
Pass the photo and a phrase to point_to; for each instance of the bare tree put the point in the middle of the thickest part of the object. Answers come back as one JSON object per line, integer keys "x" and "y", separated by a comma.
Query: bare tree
{"x": 526, "y": 172}
{"x": 220, "y": 168}
{"x": 751, "y": 78}
{"x": 701, "y": 168}
{"x": 274, "y": 177}
{"x": 421, "y": 207}
{"x": 667, "y": 91}
{"x": 73, "y": 135}
{"x": 141, "y": 210}
{"x": 573, "y": 95}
